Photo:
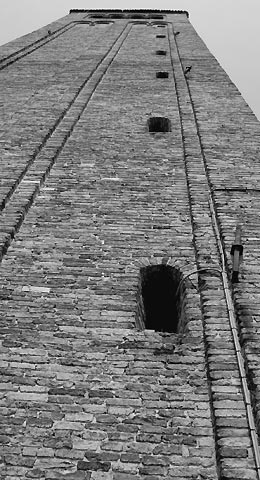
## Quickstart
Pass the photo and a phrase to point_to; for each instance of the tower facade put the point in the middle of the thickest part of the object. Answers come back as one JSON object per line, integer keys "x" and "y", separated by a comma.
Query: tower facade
{"x": 129, "y": 187}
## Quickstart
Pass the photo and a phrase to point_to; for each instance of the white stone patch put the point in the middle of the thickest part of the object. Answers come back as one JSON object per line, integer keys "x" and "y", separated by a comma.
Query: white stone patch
{"x": 102, "y": 476}
{"x": 36, "y": 289}
{"x": 111, "y": 179}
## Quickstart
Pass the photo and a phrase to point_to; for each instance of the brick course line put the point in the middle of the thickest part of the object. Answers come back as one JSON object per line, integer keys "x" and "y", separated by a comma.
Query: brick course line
{"x": 39, "y": 148}
{"x": 241, "y": 360}
{"x": 182, "y": 108}
{"x": 199, "y": 192}
{"x": 22, "y": 195}
{"x": 33, "y": 46}
{"x": 44, "y": 40}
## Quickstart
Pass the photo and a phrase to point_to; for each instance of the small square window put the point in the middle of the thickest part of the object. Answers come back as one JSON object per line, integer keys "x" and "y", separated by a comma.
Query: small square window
{"x": 159, "y": 124}
{"x": 161, "y": 52}
{"x": 162, "y": 74}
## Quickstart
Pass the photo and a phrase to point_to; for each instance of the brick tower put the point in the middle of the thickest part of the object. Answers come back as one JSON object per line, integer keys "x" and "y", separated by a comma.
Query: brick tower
{"x": 129, "y": 186}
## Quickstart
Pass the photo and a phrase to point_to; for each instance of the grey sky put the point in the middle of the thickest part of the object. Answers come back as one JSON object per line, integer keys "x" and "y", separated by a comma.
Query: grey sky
{"x": 230, "y": 29}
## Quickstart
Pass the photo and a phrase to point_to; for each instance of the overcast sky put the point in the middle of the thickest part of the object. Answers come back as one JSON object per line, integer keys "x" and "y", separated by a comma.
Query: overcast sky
{"x": 230, "y": 29}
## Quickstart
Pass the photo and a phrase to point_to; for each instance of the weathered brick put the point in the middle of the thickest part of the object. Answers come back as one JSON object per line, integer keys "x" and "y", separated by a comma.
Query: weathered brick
{"x": 64, "y": 425}
{"x": 40, "y": 422}
{"x": 75, "y": 392}
{"x": 31, "y": 451}
{"x": 44, "y": 452}
{"x": 34, "y": 473}
{"x": 88, "y": 197}
{"x": 94, "y": 466}
{"x": 67, "y": 476}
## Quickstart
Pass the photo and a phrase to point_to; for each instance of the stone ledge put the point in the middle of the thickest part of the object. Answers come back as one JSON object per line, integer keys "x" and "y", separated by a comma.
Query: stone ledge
{"x": 82, "y": 10}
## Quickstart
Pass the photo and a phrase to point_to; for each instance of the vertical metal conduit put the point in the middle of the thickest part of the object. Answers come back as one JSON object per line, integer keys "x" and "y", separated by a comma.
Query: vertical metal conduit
{"x": 232, "y": 321}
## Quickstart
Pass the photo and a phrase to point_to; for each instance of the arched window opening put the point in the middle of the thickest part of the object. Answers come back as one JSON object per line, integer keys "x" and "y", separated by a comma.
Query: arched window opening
{"x": 160, "y": 299}
{"x": 162, "y": 74}
{"x": 159, "y": 124}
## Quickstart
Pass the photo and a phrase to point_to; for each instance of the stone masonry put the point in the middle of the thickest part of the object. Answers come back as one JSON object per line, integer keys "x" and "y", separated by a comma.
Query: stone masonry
{"x": 88, "y": 198}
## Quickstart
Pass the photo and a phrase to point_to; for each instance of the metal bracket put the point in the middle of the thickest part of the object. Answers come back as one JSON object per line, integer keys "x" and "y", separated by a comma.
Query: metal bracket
{"x": 236, "y": 252}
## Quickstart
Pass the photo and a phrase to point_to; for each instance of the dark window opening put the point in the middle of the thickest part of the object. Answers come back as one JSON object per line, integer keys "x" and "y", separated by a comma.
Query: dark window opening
{"x": 159, "y": 124}
{"x": 157, "y": 17}
{"x": 82, "y": 22}
{"x": 160, "y": 305}
{"x": 162, "y": 74}
{"x": 160, "y": 36}
{"x": 160, "y": 52}
{"x": 116, "y": 15}
{"x": 137, "y": 16}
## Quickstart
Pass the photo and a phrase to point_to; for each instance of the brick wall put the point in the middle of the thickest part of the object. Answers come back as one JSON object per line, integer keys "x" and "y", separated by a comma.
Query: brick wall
{"x": 89, "y": 197}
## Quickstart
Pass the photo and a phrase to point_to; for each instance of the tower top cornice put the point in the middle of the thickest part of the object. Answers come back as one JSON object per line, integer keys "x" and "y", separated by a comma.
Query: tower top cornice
{"x": 141, "y": 11}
